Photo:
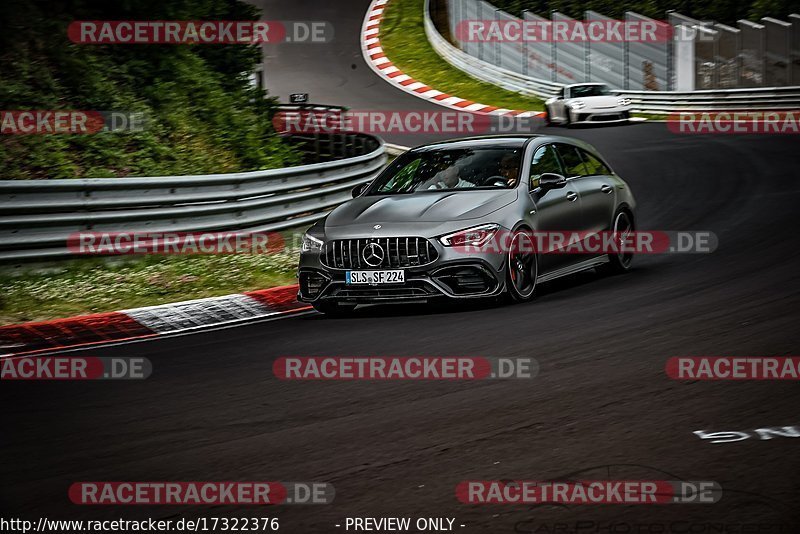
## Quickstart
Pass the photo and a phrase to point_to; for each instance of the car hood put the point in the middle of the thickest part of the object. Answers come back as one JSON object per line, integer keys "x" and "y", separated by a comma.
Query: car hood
{"x": 600, "y": 102}
{"x": 430, "y": 207}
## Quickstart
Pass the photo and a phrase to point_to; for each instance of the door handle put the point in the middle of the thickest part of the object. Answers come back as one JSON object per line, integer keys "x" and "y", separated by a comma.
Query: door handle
{"x": 606, "y": 189}
{"x": 572, "y": 196}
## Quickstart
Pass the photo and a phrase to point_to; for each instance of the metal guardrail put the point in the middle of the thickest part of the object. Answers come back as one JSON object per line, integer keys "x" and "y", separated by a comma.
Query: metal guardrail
{"x": 657, "y": 102}
{"x": 768, "y": 98}
{"x": 37, "y": 216}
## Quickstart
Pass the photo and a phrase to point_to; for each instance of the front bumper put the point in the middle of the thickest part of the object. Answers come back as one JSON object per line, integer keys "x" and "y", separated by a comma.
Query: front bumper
{"x": 454, "y": 275}
{"x": 601, "y": 116}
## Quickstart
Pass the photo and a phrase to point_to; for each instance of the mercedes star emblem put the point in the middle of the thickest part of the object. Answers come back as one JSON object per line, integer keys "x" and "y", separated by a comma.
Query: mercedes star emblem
{"x": 377, "y": 227}
{"x": 373, "y": 254}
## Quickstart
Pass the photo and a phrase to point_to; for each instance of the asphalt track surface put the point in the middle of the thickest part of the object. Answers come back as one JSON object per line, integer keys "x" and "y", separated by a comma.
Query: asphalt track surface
{"x": 601, "y": 406}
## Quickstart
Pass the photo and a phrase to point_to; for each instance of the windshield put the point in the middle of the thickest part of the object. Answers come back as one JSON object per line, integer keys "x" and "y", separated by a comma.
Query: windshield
{"x": 450, "y": 170}
{"x": 589, "y": 90}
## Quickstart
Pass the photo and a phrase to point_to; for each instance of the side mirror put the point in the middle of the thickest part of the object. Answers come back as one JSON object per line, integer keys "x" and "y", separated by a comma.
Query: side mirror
{"x": 551, "y": 180}
{"x": 357, "y": 190}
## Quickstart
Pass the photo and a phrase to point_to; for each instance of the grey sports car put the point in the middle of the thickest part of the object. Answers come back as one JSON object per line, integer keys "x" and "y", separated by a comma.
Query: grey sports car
{"x": 429, "y": 225}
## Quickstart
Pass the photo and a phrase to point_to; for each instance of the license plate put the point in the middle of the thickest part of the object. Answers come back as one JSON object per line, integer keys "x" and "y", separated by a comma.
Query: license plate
{"x": 376, "y": 277}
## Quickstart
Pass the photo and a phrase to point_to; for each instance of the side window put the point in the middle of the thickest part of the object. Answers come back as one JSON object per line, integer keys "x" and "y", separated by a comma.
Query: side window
{"x": 573, "y": 164}
{"x": 544, "y": 160}
{"x": 593, "y": 165}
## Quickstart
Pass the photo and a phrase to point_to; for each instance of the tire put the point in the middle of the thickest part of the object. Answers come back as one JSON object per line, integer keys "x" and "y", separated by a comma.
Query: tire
{"x": 618, "y": 262}
{"x": 334, "y": 309}
{"x": 568, "y": 120}
{"x": 522, "y": 268}
{"x": 547, "y": 120}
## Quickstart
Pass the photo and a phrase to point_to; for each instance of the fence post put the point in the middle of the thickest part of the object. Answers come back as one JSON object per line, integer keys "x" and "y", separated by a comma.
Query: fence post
{"x": 553, "y": 55}
{"x": 498, "y": 52}
{"x": 587, "y": 53}
{"x": 626, "y": 81}
{"x": 480, "y": 17}
{"x": 670, "y": 55}
{"x": 525, "y": 57}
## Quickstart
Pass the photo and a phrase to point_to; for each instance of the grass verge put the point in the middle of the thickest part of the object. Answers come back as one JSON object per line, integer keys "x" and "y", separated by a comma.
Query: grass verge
{"x": 404, "y": 42}
{"x": 94, "y": 285}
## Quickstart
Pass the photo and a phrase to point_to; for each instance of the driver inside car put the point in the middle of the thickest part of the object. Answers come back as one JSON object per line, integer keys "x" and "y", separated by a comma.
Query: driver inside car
{"x": 507, "y": 172}
{"x": 448, "y": 178}
{"x": 509, "y": 169}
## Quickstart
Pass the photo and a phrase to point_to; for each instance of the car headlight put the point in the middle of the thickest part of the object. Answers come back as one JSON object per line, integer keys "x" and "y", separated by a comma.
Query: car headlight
{"x": 578, "y": 104}
{"x": 311, "y": 244}
{"x": 475, "y": 236}
{"x": 624, "y": 101}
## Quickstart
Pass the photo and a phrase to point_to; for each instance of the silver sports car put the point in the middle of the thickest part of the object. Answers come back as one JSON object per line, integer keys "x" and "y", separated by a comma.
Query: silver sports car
{"x": 587, "y": 103}
{"x": 456, "y": 219}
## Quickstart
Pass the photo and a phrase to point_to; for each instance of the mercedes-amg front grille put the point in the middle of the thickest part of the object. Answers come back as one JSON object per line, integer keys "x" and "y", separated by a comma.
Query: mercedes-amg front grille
{"x": 379, "y": 253}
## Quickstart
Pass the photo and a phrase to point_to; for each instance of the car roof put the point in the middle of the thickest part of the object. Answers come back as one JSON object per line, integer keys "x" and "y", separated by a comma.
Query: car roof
{"x": 502, "y": 141}
{"x": 486, "y": 141}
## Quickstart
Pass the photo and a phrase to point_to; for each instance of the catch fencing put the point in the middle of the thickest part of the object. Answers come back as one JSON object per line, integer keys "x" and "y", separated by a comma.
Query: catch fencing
{"x": 705, "y": 67}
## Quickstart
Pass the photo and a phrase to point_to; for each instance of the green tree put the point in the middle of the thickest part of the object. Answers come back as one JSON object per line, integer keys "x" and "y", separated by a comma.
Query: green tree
{"x": 202, "y": 114}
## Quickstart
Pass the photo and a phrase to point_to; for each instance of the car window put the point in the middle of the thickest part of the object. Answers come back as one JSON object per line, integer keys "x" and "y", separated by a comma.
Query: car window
{"x": 593, "y": 165}
{"x": 449, "y": 169}
{"x": 580, "y": 91}
{"x": 573, "y": 164}
{"x": 544, "y": 160}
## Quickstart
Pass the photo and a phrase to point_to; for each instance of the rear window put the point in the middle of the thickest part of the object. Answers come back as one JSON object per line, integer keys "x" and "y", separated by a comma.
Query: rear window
{"x": 593, "y": 165}
{"x": 573, "y": 163}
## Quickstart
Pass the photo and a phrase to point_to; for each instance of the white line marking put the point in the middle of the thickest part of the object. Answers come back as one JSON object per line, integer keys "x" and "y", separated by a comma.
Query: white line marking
{"x": 415, "y": 85}
{"x": 452, "y": 100}
{"x": 474, "y": 107}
